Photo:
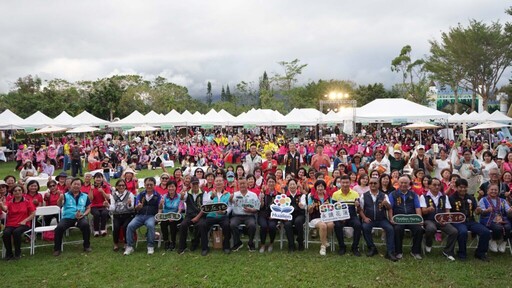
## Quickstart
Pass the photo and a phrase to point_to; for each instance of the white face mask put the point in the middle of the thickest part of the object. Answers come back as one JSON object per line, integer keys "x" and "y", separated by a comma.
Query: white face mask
{"x": 338, "y": 185}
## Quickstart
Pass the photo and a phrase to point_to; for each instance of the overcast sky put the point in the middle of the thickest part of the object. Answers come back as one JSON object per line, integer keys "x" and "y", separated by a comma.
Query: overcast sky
{"x": 225, "y": 42}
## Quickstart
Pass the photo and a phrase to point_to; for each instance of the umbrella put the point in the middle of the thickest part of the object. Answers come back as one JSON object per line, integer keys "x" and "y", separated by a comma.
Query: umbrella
{"x": 83, "y": 129}
{"x": 489, "y": 125}
{"x": 49, "y": 129}
{"x": 420, "y": 126}
{"x": 143, "y": 128}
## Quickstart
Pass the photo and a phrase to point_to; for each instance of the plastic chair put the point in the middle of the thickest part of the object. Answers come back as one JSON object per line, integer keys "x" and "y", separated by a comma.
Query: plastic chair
{"x": 42, "y": 211}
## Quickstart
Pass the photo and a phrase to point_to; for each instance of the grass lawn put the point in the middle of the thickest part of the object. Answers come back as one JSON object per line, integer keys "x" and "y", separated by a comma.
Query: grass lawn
{"x": 106, "y": 268}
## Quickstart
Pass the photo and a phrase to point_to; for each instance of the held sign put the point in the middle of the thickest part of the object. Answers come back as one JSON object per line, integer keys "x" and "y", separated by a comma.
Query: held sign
{"x": 214, "y": 207}
{"x": 455, "y": 217}
{"x": 171, "y": 216}
{"x": 334, "y": 212}
{"x": 407, "y": 219}
{"x": 281, "y": 209}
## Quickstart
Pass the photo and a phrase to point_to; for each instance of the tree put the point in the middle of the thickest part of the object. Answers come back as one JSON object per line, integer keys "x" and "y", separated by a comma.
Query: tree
{"x": 229, "y": 97}
{"x": 264, "y": 87}
{"x": 292, "y": 69}
{"x": 367, "y": 93}
{"x": 483, "y": 52}
{"x": 223, "y": 94}
{"x": 245, "y": 94}
{"x": 209, "y": 95}
{"x": 414, "y": 84}
{"x": 105, "y": 97}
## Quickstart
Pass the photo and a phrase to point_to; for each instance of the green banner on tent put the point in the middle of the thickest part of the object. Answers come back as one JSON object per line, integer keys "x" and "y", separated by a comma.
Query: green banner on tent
{"x": 165, "y": 127}
{"x": 249, "y": 126}
{"x": 396, "y": 123}
{"x": 207, "y": 126}
{"x": 331, "y": 124}
{"x": 30, "y": 129}
{"x": 365, "y": 123}
{"x": 293, "y": 126}
{"x": 102, "y": 126}
{"x": 126, "y": 127}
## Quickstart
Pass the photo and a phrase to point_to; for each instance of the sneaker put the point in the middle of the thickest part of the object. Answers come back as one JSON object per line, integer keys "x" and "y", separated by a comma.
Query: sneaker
{"x": 103, "y": 233}
{"x": 151, "y": 250}
{"x": 56, "y": 253}
{"x": 342, "y": 250}
{"x": 270, "y": 248}
{"x": 391, "y": 257}
{"x": 416, "y": 256}
{"x": 204, "y": 252}
{"x": 322, "y": 250}
{"x": 502, "y": 247}
{"x": 301, "y": 246}
{"x": 167, "y": 246}
{"x": 96, "y": 233}
{"x": 251, "y": 247}
{"x": 372, "y": 252}
{"x": 493, "y": 246}
{"x": 399, "y": 256}
{"x": 482, "y": 258}
{"x": 172, "y": 246}
{"x": 181, "y": 251}
{"x": 428, "y": 249}
{"x": 262, "y": 249}
{"x": 129, "y": 250}
{"x": 448, "y": 256}
{"x": 227, "y": 251}
{"x": 87, "y": 250}
{"x": 356, "y": 252}
{"x": 237, "y": 247}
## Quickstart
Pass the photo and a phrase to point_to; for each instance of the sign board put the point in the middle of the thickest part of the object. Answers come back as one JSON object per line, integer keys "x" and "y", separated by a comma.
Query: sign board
{"x": 407, "y": 219}
{"x": 167, "y": 127}
{"x": 214, "y": 207}
{"x": 455, "y": 217}
{"x": 207, "y": 126}
{"x": 170, "y": 216}
{"x": 249, "y": 126}
{"x": 334, "y": 212}
{"x": 30, "y": 129}
{"x": 281, "y": 209}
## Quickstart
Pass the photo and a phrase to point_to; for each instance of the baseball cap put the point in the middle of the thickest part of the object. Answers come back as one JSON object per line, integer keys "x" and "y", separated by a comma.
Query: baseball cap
{"x": 2, "y": 183}
{"x": 420, "y": 147}
{"x": 194, "y": 180}
{"x": 398, "y": 151}
{"x": 230, "y": 174}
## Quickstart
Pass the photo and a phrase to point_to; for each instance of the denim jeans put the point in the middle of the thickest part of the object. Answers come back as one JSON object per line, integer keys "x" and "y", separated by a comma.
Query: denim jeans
{"x": 138, "y": 221}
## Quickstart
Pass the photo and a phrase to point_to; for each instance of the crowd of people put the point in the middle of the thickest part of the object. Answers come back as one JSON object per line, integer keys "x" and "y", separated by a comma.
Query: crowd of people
{"x": 380, "y": 173}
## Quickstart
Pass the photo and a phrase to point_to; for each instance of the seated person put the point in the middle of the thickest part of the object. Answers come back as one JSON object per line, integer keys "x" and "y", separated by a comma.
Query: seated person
{"x": 100, "y": 198}
{"x": 146, "y": 209}
{"x": 75, "y": 208}
{"x": 296, "y": 225}
{"x": 171, "y": 202}
{"x": 315, "y": 200}
{"x": 494, "y": 216}
{"x": 193, "y": 216}
{"x": 246, "y": 205}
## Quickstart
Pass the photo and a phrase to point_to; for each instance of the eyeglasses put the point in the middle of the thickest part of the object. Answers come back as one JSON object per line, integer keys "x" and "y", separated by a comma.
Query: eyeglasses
{"x": 164, "y": 178}
{"x": 51, "y": 186}
{"x": 121, "y": 185}
{"x": 373, "y": 183}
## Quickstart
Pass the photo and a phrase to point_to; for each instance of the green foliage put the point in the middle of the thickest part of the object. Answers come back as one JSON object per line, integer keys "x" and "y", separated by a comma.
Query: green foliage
{"x": 209, "y": 95}
{"x": 223, "y": 94}
{"x": 414, "y": 84}
{"x": 365, "y": 94}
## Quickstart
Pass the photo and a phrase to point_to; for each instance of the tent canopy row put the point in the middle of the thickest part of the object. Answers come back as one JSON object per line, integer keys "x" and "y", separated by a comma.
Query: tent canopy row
{"x": 378, "y": 111}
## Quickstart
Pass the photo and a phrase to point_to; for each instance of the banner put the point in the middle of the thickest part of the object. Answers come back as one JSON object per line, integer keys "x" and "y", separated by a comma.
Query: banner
{"x": 334, "y": 212}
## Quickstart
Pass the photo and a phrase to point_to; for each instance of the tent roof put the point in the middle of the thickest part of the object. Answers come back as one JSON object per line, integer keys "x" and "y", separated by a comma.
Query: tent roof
{"x": 39, "y": 120}
{"x": 304, "y": 117}
{"x": 135, "y": 118}
{"x": 86, "y": 118}
{"x": 9, "y": 120}
{"x": 66, "y": 120}
{"x": 397, "y": 110}
{"x": 497, "y": 116}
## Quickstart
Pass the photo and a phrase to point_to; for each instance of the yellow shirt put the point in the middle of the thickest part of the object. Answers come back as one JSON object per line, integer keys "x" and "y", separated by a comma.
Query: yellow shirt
{"x": 66, "y": 149}
{"x": 349, "y": 198}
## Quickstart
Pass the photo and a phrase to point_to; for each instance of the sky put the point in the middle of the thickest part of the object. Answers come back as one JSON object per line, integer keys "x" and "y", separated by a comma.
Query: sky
{"x": 192, "y": 42}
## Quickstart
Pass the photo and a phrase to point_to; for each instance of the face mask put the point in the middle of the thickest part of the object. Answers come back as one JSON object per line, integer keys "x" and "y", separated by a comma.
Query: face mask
{"x": 338, "y": 185}
{"x": 230, "y": 179}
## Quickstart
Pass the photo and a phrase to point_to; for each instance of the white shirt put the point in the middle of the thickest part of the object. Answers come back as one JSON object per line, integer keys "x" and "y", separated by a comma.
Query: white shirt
{"x": 423, "y": 203}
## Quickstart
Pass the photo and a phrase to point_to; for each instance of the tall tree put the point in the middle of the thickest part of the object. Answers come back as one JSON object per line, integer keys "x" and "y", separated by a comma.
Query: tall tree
{"x": 223, "y": 94}
{"x": 209, "y": 95}
{"x": 229, "y": 97}
{"x": 264, "y": 87}
{"x": 367, "y": 93}
{"x": 414, "y": 84}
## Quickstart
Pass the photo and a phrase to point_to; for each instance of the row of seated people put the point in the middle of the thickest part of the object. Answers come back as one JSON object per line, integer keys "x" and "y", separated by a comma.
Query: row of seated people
{"x": 372, "y": 209}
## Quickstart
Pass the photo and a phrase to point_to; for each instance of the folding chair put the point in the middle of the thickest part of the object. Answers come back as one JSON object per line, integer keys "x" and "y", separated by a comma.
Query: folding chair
{"x": 42, "y": 211}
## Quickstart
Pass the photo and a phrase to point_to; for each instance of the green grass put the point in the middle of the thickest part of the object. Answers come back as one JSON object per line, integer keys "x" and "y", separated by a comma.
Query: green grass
{"x": 106, "y": 268}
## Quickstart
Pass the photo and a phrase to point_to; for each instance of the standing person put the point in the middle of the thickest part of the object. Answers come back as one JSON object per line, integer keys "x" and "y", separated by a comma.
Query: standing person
{"x": 106, "y": 166}
{"x": 487, "y": 165}
{"x": 494, "y": 216}
{"x": 270, "y": 165}
{"x": 296, "y": 225}
{"x": 219, "y": 195}
{"x": 422, "y": 161}
{"x": 121, "y": 207}
{"x": 194, "y": 215}
{"x": 469, "y": 169}
{"x": 397, "y": 161}
{"x": 442, "y": 163}
{"x": 171, "y": 202}
{"x": 100, "y": 197}
{"x": 20, "y": 213}
{"x": 246, "y": 205}
{"x": 252, "y": 160}
{"x": 351, "y": 198}
{"x": 146, "y": 209}
{"x": 433, "y": 203}
{"x": 464, "y": 203}
{"x": 374, "y": 205}
{"x": 293, "y": 160}
{"x": 76, "y": 163}
{"x": 75, "y": 208}
{"x": 320, "y": 158}
{"x": 405, "y": 201}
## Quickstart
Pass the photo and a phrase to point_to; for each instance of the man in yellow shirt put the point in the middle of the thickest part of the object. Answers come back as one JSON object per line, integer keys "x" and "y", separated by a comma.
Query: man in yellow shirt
{"x": 351, "y": 198}
{"x": 67, "y": 160}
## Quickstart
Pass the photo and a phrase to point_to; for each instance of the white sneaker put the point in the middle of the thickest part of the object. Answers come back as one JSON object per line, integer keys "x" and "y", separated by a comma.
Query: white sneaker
{"x": 428, "y": 249}
{"x": 502, "y": 247}
{"x": 399, "y": 256}
{"x": 270, "y": 248}
{"x": 262, "y": 249}
{"x": 151, "y": 250}
{"x": 322, "y": 250}
{"x": 493, "y": 246}
{"x": 129, "y": 250}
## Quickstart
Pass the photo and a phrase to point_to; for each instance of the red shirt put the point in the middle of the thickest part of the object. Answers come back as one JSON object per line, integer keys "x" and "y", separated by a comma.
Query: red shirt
{"x": 269, "y": 166}
{"x": 19, "y": 211}
{"x": 207, "y": 189}
{"x": 255, "y": 190}
{"x": 230, "y": 189}
{"x": 51, "y": 198}
{"x": 85, "y": 189}
{"x": 132, "y": 186}
{"x": 63, "y": 189}
{"x": 98, "y": 198}
{"x": 160, "y": 190}
{"x": 38, "y": 197}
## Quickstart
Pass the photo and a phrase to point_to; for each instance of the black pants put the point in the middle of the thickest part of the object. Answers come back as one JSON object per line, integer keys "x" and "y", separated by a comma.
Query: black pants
{"x": 67, "y": 223}
{"x": 120, "y": 222}
{"x": 48, "y": 219}
{"x": 295, "y": 226}
{"x": 250, "y": 223}
{"x": 353, "y": 222}
{"x": 417, "y": 236}
{"x": 76, "y": 166}
{"x": 169, "y": 226}
{"x": 100, "y": 217}
{"x": 185, "y": 225}
{"x": 205, "y": 226}
{"x": 13, "y": 234}
{"x": 269, "y": 226}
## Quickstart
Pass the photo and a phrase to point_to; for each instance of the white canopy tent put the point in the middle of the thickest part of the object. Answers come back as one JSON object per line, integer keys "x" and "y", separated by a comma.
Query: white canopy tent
{"x": 135, "y": 118}
{"x": 11, "y": 121}
{"x": 227, "y": 116}
{"x": 174, "y": 118}
{"x": 303, "y": 117}
{"x": 85, "y": 118}
{"x": 259, "y": 117}
{"x": 153, "y": 118}
{"x": 50, "y": 130}
{"x": 497, "y": 116}
{"x": 398, "y": 110}
{"x": 39, "y": 120}
{"x": 83, "y": 129}
{"x": 65, "y": 120}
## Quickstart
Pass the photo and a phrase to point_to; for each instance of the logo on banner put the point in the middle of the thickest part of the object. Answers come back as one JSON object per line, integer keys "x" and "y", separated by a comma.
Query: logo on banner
{"x": 334, "y": 212}
{"x": 281, "y": 209}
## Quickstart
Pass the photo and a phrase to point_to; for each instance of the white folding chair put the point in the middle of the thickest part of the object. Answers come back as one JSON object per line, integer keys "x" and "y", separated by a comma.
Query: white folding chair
{"x": 42, "y": 211}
